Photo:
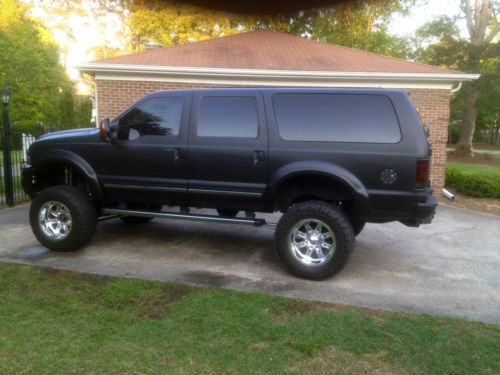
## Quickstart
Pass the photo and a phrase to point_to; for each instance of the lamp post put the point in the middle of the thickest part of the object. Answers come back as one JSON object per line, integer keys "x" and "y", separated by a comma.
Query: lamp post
{"x": 7, "y": 162}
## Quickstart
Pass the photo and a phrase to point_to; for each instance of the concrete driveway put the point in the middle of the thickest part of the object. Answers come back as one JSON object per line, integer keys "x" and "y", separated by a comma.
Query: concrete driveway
{"x": 451, "y": 267}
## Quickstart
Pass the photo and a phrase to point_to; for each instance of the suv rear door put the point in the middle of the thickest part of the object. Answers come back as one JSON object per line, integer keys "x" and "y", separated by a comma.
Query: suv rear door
{"x": 228, "y": 149}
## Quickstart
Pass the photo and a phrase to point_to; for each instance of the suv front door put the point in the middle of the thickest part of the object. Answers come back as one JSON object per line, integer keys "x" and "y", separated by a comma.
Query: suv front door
{"x": 228, "y": 149}
{"x": 147, "y": 161}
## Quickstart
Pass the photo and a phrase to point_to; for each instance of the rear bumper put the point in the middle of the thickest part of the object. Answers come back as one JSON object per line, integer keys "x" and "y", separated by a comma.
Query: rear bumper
{"x": 424, "y": 212}
{"x": 411, "y": 208}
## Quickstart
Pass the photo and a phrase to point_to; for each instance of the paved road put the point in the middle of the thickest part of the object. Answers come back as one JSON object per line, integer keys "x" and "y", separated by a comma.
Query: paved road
{"x": 451, "y": 267}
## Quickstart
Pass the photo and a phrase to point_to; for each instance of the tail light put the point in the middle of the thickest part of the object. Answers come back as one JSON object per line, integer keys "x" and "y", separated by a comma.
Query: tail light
{"x": 422, "y": 172}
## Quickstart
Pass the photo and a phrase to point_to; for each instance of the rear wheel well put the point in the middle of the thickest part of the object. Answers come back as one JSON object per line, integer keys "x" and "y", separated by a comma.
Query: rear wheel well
{"x": 310, "y": 187}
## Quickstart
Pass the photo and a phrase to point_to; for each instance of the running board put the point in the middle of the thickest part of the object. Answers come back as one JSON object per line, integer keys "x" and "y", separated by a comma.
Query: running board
{"x": 186, "y": 216}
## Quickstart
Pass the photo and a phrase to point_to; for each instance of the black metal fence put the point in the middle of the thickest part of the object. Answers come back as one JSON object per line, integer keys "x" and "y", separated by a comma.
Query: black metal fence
{"x": 18, "y": 158}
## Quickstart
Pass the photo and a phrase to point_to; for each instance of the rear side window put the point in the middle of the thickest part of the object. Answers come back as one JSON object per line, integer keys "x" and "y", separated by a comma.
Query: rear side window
{"x": 156, "y": 116}
{"x": 336, "y": 118}
{"x": 228, "y": 116}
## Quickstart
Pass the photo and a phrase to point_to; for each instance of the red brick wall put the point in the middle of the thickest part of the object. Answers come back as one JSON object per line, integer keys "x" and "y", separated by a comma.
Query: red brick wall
{"x": 114, "y": 96}
{"x": 434, "y": 109}
{"x": 434, "y": 106}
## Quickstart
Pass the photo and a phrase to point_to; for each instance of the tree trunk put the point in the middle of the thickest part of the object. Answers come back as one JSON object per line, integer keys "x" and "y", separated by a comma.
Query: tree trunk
{"x": 464, "y": 145}
{"x": 468, "y": 120}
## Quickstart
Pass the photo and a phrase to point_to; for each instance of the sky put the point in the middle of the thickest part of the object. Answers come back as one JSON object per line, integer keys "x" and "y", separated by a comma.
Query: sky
{"x": 88, "y": 35}
{"x": 423, "y": 13}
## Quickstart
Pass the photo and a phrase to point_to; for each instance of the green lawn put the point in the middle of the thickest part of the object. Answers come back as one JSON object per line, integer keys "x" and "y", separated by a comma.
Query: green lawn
{"x": 62, "y": 322}
{"x": 490, "y": 169}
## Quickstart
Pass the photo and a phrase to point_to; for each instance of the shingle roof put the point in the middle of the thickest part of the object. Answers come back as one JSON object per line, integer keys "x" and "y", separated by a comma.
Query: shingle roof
{"x": 263, "y": 49}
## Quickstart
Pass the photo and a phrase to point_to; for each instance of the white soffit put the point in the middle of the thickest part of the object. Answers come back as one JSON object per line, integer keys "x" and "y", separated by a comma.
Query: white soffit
{"x": 259, "y": 77}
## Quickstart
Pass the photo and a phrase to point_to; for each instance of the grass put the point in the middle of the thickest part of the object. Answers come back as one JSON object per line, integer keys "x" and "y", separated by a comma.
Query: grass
{"x": 63, "y": 322}
{"x": 488, "y": 169}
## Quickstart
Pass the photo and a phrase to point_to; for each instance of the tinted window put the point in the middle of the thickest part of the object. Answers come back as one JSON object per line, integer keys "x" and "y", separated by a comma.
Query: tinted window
{"x": 157, "y": 116}
{"x": 336, "y": 117}
{"x": 228, "y": 116}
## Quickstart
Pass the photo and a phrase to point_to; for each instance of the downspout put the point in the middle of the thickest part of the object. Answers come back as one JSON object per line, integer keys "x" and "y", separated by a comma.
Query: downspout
{"x": 456, "y": 89}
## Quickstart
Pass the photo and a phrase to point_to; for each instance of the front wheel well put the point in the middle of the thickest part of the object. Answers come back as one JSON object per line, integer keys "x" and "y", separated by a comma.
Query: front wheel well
{"x": 58, "y": 173}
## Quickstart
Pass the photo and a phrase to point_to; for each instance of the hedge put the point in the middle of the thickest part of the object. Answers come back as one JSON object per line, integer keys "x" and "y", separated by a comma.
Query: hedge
{"x": 474, "y": 184}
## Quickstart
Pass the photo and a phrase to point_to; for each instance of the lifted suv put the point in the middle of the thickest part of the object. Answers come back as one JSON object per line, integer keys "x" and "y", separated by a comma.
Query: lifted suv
{"x": 329, "y": 159}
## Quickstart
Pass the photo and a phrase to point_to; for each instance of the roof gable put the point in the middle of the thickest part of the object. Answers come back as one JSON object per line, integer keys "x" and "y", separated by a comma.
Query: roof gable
{"x": 271, "y": 50}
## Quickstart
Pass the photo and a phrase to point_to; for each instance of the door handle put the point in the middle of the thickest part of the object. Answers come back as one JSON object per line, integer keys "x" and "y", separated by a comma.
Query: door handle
{"x": 259, "y": 158}
{"x": 178, "y": 155}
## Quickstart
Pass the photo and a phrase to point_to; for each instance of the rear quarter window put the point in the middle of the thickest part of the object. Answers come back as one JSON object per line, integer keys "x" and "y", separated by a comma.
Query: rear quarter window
{"x": 364, "y": 118}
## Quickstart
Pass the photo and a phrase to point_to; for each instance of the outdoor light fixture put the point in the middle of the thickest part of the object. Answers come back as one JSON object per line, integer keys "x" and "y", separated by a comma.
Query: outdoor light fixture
{"x": 5, "y": 95}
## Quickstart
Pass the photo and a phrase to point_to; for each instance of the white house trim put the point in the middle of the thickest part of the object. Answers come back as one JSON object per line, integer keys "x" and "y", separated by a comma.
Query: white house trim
{"x": 262, "y": 77}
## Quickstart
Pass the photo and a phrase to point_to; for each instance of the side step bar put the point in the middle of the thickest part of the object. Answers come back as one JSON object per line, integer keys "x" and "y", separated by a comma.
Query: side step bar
{"x": 186, "y": 216}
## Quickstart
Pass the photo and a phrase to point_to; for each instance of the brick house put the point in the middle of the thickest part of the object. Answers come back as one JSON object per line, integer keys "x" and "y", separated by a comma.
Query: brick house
{"x": 268, "y": 58}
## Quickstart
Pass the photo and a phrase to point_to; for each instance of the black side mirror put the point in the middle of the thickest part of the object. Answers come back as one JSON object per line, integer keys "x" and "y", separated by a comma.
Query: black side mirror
{"x": 107, "y": 130}
{"x": 104, "y": 130}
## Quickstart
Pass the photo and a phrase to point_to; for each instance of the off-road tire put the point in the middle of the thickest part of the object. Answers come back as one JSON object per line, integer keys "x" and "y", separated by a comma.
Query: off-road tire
{"x": 357, "y": 226}
{"x": 357, "y": 223}
{"x": 335, "y": 219}
{"x": 83, "y": 216}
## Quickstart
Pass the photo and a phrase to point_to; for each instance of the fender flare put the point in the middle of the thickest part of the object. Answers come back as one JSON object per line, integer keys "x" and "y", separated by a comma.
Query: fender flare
{"x": 326, "y": 169}
{"x": 76, "y": 161}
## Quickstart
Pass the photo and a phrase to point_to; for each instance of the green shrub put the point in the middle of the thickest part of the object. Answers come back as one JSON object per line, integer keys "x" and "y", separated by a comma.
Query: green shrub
{"x": 473, "y": 184}
{"x": 27, "y": 127}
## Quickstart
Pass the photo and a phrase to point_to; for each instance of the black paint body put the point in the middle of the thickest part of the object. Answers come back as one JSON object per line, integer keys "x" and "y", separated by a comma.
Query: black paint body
{"x": 246, "y": 173}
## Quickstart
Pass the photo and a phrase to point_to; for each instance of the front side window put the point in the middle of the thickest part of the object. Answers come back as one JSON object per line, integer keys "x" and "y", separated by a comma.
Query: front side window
{"x": 367, "y": 118}
{"x": 156, "y": 116}
{"x": 228, "y": 116}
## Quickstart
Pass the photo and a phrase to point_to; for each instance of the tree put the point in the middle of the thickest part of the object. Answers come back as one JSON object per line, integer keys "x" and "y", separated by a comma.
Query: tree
{"x": 483, "y": 26}
{"x": 60, "y": 16}
{"x": 444, "y": 46}
{"x": 29, "y": 65}
{"x": 166, "y": 23}
{"x": 360, "y": 24}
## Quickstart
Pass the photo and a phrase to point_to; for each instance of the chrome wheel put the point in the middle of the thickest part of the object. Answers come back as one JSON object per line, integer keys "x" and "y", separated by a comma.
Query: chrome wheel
{"x": 55, "y": 220}
{"x": 312, "y": 242}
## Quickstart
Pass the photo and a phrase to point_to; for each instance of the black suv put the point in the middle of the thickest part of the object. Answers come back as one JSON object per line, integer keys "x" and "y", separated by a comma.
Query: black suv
{"x": 329, "y": 159}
